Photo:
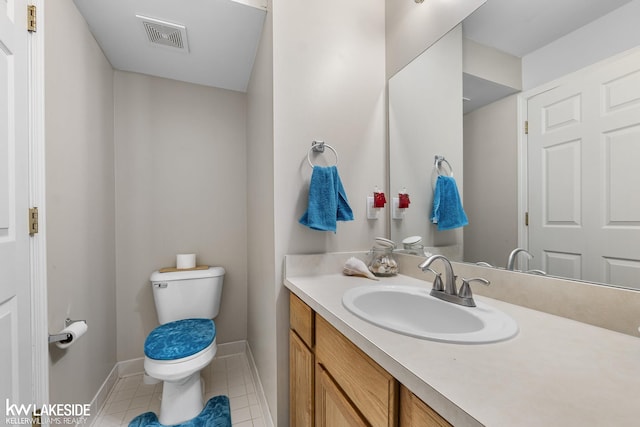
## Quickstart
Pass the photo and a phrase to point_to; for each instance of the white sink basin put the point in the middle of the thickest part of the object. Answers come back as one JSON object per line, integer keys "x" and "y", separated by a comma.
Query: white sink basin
{"x": 412, "y": 311}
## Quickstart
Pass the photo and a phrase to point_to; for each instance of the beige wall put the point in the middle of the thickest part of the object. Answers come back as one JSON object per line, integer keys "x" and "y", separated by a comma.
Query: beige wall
{"x": 262, "y": 283}
{"x": 491, "y": 64}
{"x": 325, "y": 65}
{"x": 319, "y": 74}
{"x": 600, "y": 39}
{"x": 181, "y": 175}
{"x": 425, "y": 120}
{"x": 329, "y": 84}
{"x": 181, "y": 170}
{"x": 80, "y": 212}
{"x": 491, "y": 179}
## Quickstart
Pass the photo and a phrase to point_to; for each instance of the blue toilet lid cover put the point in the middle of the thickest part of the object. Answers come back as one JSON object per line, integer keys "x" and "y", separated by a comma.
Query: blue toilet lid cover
{"x": 178, "y": 339}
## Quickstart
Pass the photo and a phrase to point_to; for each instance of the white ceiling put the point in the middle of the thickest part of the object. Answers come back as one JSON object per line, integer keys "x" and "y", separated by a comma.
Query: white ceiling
{"x": 222, "y": 35}
{"x": 519, "y": 27}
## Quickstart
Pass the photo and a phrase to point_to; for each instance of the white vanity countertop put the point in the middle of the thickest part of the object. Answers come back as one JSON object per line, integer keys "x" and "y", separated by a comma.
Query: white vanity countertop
{"x": 555, "y": 372}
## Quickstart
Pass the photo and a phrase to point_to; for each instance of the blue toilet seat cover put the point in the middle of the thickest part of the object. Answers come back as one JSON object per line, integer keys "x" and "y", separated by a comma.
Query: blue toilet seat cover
{"x": 178, "y": 339}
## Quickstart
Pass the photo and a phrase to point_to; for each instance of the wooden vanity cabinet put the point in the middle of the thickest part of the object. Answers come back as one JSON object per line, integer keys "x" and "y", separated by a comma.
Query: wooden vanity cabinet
{"x": 301, "y": 383}
{"x": 334, "y": 384}
{"x": 301, "y": 364}
{"x": 371, "y": 389}
{"x": 333, "y": 408}
{"x": 415, "y": 413}
{"x": 301, "y": 320}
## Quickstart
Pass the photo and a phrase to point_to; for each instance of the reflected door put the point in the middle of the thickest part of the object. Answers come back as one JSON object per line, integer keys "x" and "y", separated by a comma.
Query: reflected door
{"x": 584, "y": 175}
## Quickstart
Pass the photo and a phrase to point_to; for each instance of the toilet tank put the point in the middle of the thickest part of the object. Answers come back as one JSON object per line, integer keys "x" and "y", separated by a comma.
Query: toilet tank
{"x": 187, "y": 294}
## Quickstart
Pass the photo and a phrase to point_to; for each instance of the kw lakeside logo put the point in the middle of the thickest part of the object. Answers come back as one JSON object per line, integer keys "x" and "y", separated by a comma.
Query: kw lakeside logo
{"x": 52, "y": 414}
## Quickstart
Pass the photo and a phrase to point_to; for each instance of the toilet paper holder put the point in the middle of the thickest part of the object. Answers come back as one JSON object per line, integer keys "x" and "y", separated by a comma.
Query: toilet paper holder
{"x": 63, "y": 337}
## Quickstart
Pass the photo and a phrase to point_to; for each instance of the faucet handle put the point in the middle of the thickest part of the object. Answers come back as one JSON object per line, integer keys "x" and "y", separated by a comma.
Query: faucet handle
{"x": 465, "y": 289}
{"x": 437, "y": 282}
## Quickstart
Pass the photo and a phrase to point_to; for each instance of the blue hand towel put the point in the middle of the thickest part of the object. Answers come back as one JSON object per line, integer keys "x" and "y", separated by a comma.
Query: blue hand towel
{"x": 327, "y": 200}
{"x": 447, "y": 211}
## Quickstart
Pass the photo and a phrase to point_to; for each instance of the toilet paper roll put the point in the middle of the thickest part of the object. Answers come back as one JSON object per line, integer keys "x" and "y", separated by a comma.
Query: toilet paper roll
{"x": 75, "y": 330}
{"x": 184, "y": 261}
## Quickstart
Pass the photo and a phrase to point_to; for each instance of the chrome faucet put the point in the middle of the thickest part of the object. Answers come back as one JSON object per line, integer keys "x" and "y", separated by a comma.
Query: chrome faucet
{"x": 450, "y": 282}
{"x": 513, "y": 256}
{"x": 448, "y": 292}
{"x": 484, "y": 264}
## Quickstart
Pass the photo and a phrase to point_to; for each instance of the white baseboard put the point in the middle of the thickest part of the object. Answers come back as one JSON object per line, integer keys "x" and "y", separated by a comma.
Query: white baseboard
{"x": 126, "y": 368}
{"x": 268, "y": 421}
{"x": 229, "y": 348}
{"x": 101, "y": 396}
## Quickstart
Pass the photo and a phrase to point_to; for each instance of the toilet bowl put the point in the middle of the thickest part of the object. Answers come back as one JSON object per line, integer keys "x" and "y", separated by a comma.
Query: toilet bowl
{"x": 185, "y": 342}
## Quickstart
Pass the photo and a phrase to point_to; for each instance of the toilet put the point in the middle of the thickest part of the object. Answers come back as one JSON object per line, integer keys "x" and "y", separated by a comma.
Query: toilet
{"x": 185, "y": 342}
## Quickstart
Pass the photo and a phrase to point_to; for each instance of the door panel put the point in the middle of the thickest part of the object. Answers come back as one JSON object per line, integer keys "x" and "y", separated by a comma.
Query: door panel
{"x": 6, "y": 140}
{"x": 15, "y": 303}
{"x": 333, "y": 409}
{"x": 621, "y": 173}
{"x": 562, "y": 187}
{"x": 563, "y": 264}
{"x": 562, "y": 113}
{"x": 583, "y": 164}
{"x": 622, "y": 92}
{"x": 301, "y": 383}
{"x": 8, "y": 354}
{"x": 556, "y": 217}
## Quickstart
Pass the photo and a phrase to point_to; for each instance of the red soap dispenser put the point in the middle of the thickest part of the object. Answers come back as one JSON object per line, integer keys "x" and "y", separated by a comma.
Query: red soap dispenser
{"x": 403, "y": 199}
{"x": 379, "y": 200}
{"x": 375, "y": 203}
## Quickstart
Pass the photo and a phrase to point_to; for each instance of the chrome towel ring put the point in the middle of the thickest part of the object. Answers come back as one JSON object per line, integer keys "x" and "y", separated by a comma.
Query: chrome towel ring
{"x": 438, "y": 164}
{"x": 318, "y": 147}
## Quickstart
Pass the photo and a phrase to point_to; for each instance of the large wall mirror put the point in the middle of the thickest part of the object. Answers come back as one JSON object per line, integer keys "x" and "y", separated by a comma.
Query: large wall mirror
{"x": 466, "y": 99}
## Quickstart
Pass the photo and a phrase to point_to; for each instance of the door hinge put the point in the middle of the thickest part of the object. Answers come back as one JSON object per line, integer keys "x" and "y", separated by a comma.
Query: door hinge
{"x": 526, "y": 219}
{"x": 33, "y": 221}
{"x": 31, "y": 18}
{"x": 526, "y": 127}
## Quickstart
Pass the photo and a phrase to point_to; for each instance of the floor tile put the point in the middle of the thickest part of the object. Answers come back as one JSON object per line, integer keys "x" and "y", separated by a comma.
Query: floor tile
{"x": 229, "y": 375}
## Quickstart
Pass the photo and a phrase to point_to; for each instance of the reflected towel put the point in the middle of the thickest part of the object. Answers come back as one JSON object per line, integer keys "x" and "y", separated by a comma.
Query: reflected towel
{"x": 327, "y": 200}
{"x": 447, "y": 211}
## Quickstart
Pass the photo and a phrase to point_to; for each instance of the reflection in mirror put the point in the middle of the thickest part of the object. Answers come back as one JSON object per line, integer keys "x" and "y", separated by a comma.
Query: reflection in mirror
{"x": 425, "y": 100}
{"x": 499, "y": 79}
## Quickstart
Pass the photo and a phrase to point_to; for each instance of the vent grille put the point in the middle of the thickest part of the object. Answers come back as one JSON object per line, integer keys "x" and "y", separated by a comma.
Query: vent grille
{"x": 165, "y": 33}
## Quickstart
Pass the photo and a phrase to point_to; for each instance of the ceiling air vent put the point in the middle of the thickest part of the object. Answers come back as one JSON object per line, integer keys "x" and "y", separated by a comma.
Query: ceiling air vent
{"x": 164, "y": 33}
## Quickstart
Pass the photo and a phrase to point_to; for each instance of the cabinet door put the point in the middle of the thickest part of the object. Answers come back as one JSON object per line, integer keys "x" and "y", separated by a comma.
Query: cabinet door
{"x": 371, "y": 389}
{"x": 415, "y": 413}
{"x": 301, "y": 320}
{"x": 301, "y": 383}
{"x": 333, "y": 409}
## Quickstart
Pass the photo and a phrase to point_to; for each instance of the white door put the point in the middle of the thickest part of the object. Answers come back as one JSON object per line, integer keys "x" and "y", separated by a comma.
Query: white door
{"x": 15, "y": 304}
{"x": 584, "y": 174}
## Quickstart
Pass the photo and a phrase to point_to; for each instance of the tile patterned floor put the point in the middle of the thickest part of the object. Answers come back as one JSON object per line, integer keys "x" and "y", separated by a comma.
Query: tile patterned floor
{"x": 228, "y": 375}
